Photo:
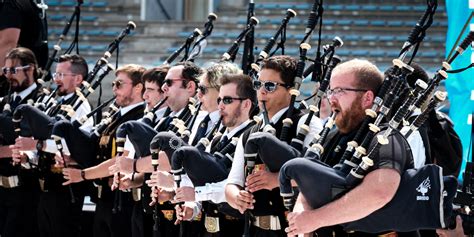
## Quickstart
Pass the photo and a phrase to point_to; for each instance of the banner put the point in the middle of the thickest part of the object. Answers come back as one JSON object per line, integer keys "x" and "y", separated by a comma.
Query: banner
{"x": 460, "y": 86}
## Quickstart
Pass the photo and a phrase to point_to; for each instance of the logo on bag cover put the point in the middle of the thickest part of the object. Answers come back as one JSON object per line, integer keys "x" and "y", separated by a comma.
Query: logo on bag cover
{"x": 423, "y": 188}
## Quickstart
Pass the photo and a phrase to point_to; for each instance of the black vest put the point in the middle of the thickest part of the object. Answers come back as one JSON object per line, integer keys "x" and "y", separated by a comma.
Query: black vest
{"x": 107, "y": 142}
{"x": 269, "y": 202}
{"x": 7, "y": 134}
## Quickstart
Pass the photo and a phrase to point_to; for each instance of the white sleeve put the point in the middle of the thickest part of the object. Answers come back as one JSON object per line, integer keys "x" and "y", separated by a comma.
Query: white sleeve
{"x": 128, "y": 146}
{"x": 32, "y": 157}
{"x": 236, "y": 174}
{"x": 186, "y": 181}
{"x": 83, "y": 110}
{"x": 196, "y": 208}
{"x": 315, "y": 126}
{"x": 211, "y": 192}
{"x": 50, "y": 147}
{"x": 417, "y": 147}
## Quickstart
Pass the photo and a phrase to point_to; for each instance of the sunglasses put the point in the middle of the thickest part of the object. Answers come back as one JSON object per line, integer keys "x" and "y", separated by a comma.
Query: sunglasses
{"x": 269, "y": 86}
{"x": 204, "y": 89}
{"x": 14, "y": 70}
{"x": 228, "y": 100}
{"x": 118, "y": 84}
{"x": 169, "y": 82}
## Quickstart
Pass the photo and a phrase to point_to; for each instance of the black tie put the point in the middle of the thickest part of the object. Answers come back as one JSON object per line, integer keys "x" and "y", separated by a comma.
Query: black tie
{"x": 15, "y": 102}
{"x": 222, "y": 143}
{"x": 164, "y": 124}
{"x": 201, "y": 131}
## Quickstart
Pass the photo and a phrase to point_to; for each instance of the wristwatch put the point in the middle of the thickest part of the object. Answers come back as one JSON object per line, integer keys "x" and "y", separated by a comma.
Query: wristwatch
{"x": 83, "y": 174}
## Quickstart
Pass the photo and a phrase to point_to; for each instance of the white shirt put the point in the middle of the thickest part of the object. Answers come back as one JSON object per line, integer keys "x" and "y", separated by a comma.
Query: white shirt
{"x": 214, "y": 118}
{"x": 237, "y": 172}
{"x": 83, "y": 110}
{"x": 128, "y": 146}
{"x": 24, "y": 93}
{"x": 417, "y": 147}
{"x": 214, "y": 192}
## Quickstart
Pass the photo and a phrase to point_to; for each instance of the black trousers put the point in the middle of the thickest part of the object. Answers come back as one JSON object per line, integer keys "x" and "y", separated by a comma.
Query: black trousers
{"x": 192, "y": 228}
{"x": 109, "y": 224}
{"x": 142, "y": 223}
{"x": 18, "y": 209}
{"x": 57, "y": 215}
{"x": 258, "y": 232}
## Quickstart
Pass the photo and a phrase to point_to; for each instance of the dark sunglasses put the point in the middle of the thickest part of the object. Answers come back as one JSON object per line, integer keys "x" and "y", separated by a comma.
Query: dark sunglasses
{"x": 14, "y": 70}
{"x": 269, "y": 86}
{"x": 169, "y": 82}
{"x": 228, "y": 100}
{"x": 118, "y": 84}
{"x": 204, "y": 89}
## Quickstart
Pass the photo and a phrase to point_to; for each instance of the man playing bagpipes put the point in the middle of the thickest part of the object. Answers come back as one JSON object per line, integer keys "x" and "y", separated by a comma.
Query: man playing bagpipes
{"x": 128, "y": 89}
{"x": 208, "y": 167}
{"x": 155, "y": 110}
{"x": 259, "y": 191}
{"x": 178, "y": 87}
{"x": 206, "y": 124}
{"x": 390, "y": 196}
{"x": 58, "y": 212}
{"x": 19, "y": 188}
{"x": 208, "y": 129}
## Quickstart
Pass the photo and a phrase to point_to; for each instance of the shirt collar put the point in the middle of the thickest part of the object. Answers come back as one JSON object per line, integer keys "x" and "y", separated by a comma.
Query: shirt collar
{"x": 68, "y": 96}
{"x": 214, "y": 116}
{"x": 160, "y": 112}
{"x": 278, "y": 115}
{"x": 126, "y": 109}
{"x": 232, "y": 132}
{"x": 176, "y": 114}
{"x": 26, "y": 91}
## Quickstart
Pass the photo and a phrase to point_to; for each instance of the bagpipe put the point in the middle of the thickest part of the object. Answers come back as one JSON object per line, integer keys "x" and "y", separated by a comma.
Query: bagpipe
{"x": 42, "y": 128}
{"x": 438, "y": 97}
{"x": 140, "y": 134}
{"x": 298, "y": 141}
{"x": 205, "y": 167}
{"x": 392, "y": 84}
{"x": 86, "y": 87}
{"x": 231, "y": 53}
{"x": 314, "y": 16}
{"x": 421, "y": 193}
{"x": 150, "y": 116}
{"x": 45, "y": 75}
{"x": 280, "y": 33}
{"x": 191, "y": 52}
{"x": 249, "y": 41}
{"x": 89, "y": 85}
{"x": 42, "y": 124}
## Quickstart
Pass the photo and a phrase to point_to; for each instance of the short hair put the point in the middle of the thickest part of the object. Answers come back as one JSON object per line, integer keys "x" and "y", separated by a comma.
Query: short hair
{"x": 283, "y": 64}
{"x": 133, "y": 71}
{"x": 78, "y": 64}
{"x": 26, "y": 57}
{"x": 216, "y": 70}
{"x": 191, "y": 72}
{"x": 367, "y": 75}
{"x": 156, "y": 75}
{"x": 244, "y": 88}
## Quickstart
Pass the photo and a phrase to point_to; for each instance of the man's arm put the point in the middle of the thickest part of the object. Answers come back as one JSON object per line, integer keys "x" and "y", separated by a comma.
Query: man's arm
{"x": 238, "y": 198}
{"x": 375, "y": 191}
{"x": 73, "y": 175}
{"x": 8, "y": 40}
{"x": 5, "y": 152}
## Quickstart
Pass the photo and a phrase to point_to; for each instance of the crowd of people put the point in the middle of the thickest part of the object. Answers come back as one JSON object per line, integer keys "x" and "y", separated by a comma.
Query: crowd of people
{"x": 161, "y": 164}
